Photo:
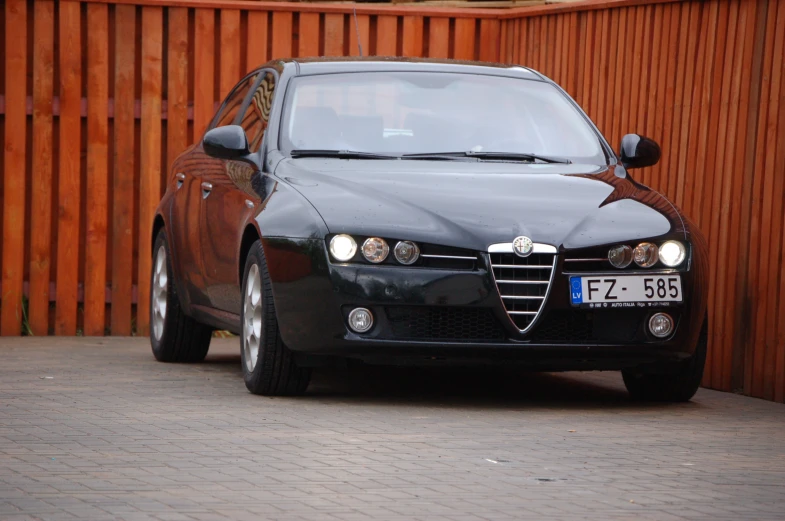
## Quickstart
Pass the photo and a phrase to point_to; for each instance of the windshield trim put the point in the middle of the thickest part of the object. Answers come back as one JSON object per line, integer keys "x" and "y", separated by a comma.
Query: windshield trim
{"x": 610, "y": 157}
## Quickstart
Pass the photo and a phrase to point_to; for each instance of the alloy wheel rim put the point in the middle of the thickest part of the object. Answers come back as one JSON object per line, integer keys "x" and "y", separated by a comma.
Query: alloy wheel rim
{"x": 159, "y": 291}
{"x": 252, "y": 318}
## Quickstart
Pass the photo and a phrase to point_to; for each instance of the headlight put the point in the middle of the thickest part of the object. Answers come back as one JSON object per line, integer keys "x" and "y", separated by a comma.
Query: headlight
{"x": 672, "y": 253}
{"x": 375, "y": 250}
{"x": 343, "y": 247}
{"x": 620, "y": 256}
{"x": 406, "y": 252}
{"x": 645, "y": 255}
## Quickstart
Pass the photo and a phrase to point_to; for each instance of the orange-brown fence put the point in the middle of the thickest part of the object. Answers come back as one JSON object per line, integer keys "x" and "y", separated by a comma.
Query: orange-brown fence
{"x": 98, "y": 96}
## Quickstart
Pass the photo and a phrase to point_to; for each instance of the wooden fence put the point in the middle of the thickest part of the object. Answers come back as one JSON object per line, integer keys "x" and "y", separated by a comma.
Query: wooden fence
{"x": 98, "y": 97}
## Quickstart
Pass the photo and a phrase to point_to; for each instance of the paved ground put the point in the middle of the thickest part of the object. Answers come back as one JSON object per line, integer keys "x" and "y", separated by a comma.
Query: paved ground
{"x": 96, "y": 429}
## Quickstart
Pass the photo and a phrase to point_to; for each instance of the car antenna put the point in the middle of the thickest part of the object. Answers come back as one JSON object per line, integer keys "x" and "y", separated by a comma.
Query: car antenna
{"x": 357, "y": 28}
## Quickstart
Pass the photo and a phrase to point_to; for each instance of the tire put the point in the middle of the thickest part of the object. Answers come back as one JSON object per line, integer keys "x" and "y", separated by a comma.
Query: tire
{"x": 174, "y": 336}
{"x": 679, "y": 386}
{"x": 268, "y": 365}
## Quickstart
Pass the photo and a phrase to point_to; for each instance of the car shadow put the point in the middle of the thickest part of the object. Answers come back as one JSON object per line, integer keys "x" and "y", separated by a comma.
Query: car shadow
{"x": 450, "y": 387}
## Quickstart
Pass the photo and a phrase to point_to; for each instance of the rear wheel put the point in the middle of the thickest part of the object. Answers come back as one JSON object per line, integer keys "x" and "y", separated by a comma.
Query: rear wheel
{"x": 268, "y": 365}
{"x": 679, "y": 386}
{"x": 174, "y": 336}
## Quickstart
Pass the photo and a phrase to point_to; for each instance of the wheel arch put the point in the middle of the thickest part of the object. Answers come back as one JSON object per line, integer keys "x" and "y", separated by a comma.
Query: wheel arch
{"x": 158, "y": 224}
{"x": 250, "y": 235}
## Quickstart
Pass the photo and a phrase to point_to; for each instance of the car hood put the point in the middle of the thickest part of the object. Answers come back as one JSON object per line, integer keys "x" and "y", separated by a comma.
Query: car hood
{"x": 475, "y": 204}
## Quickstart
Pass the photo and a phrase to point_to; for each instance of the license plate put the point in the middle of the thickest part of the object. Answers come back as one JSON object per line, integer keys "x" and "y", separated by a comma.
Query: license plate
{"x": 609, "y": 290}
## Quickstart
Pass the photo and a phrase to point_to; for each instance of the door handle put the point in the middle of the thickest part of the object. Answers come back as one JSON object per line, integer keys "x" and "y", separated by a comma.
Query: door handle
{"x": 206, "y": 189}
{"x": 180, "y": 179}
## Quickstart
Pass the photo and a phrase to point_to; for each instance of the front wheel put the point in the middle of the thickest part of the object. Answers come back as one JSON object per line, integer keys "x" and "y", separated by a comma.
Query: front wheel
{"x": 269, "y": 367}
{"x": 679, "y": 386}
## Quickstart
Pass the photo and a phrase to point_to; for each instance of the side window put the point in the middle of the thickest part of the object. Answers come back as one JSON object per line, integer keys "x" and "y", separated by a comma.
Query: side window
{"x": 234, "y": 102}
{"x": 257, "y": 116}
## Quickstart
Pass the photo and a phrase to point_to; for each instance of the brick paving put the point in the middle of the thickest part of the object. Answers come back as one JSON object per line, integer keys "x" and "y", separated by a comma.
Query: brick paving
{"x": 94, "y": 428}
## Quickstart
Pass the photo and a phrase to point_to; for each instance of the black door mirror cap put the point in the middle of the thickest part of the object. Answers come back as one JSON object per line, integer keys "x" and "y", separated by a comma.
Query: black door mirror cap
{"x": 638, "y": 151}
{"x": 228, "y": 142}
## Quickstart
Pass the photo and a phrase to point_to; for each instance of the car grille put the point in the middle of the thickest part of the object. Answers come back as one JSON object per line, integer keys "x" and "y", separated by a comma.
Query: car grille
{"x": 444, "y": 323}
{"x": 523, "y": 284}
{"x": 580, "y": 326}
{"x": 443, "y": 257}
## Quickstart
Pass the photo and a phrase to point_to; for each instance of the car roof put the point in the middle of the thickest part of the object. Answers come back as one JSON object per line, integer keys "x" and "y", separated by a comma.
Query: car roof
{"x": 328, "y": 65}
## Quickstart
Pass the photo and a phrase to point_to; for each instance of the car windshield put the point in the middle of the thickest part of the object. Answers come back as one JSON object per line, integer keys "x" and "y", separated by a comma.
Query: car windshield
{"x": 399, "y": 113}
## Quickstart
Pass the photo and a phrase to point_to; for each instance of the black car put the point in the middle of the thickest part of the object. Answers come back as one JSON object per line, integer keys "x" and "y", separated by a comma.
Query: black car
{"x": 423, "y": 212}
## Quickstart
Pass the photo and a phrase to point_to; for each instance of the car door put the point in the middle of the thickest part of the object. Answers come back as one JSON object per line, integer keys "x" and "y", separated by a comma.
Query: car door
{"x": 231, "y": 203}
{"x": 184, "y": 229}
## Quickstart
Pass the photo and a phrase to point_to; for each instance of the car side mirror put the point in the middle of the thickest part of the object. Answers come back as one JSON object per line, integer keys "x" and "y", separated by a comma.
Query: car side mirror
{"x": 227, "y": 142}
{"x": 638, "y": 151}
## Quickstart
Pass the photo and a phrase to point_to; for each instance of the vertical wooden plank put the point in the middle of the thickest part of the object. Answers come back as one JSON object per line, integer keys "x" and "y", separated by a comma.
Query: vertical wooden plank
{"x": 14, "y": 188}
{"x": 668, "y": 77}
{"x": 309, "y": 35}
{"x": 230, "y": 51}
{"x": 204, "y": 60}
{"x": 588, "y": 79}
{"x": 676, "y": 190}
{"x": 574, "y": 57}
{"x": 773, "y": 215}
{"x": 656, "y": 94}
{"x": 779, "y": 136}
{"x": 700, "y": 109}
{"x": 464, "y": 38}
{"x": 712, "y": 194}
{"x": 361, "y": 24}
{"x": 544, "y": 65}
{"x": 412, "y": 35}
{"x": 603, "y": 72}
{"x": 69, "y": 176}
{"x": 177, "y": 84}
{"x": 489, "y": 40}
{"x": 732, "y": 188}
{"x": 618, "y": 43}
{"x": 257, "y": 38}
{"x": 282, "y": 34}
{"x": 645, "y": 66}
{"x": 719, "y": 184}
{"x": 333, "y": 34}
{"x": 439, "y": 38}
{"x": 124, "y": 169}
{"x": 515, "y": 39}
{"x": 759, "y": 208}
{"x": 632, "y": 76}
{"x": 41, "y": 178}
{"x": 97, "y": 176}
{"x": 150, "y": 151}
{"x": 505, "y": 39}
{"x": 738, "y": 221}
{"x": 523, "y": 41}
{"x": 386, "y": 35}
{"x": 556, "y": 36}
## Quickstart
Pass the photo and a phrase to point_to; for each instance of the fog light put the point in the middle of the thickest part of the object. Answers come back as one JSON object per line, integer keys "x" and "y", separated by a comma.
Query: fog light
{"x": 660, "y": 325}
{"x": 406, "y": 252}
{"x": 646, "y": 255}
{"x": 360, "y": 320}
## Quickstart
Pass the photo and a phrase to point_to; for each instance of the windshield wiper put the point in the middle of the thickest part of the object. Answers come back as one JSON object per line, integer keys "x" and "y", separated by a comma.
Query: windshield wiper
{"x": 341, "y": 154}
{"x": 500, "y": 156}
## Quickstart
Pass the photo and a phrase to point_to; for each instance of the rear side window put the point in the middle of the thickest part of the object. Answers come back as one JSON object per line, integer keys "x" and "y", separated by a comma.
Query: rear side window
{"x": 257, "y": 116}
{"x": 234, "y": 102}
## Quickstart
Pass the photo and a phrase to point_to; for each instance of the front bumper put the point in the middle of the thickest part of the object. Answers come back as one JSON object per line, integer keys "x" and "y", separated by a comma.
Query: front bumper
{"x": 445, "y": 316}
